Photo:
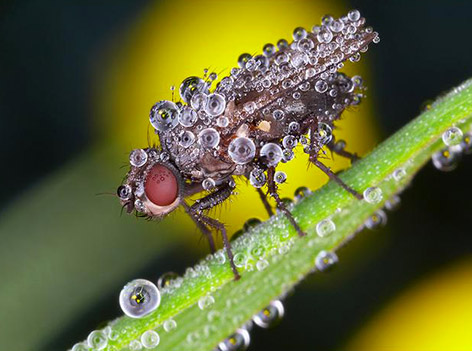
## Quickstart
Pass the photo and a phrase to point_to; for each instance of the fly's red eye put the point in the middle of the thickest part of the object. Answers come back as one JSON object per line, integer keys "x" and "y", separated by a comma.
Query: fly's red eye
{"x": 161, "y": 185}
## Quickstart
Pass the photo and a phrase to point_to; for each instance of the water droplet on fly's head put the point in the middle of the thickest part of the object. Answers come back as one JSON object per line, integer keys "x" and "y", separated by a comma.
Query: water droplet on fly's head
{"x": 199, "y": 101}
{"x": 269, "y": 50}
{"x": 251, "y": 223}
{"x": 150, "y": 339}
{"x": 243, "y": 60}
{"x": 325, "y": 260}
{"x": 376, "y": 220}
{"x": 209, "y": 138}
{"x": 278, "y": 115}
{"x": 138, "y": 158}
{"x": 242, "y": 150}
{"x": 206, "y": 301}
{"x": 270, "y": 316}
{"x": 373, "y": 195}
{"x": 280, "y": 177}
{"x": 124, "y": 192}
{"x": 289, "y": 142}
{"x": 208, "y": 184}
{"x": 446, "y": 160}
{"x": 222, "y": 122}
{"x": 191, "y": 86}
{"x": 215, "y": 104}
{"x": 164, "y": 115}
{"x": 187, "y": 138}
{"x": 354, "y": 15}
{"x": 169, "y": 325}
{"x": 321, "y": 86}
{"x": 301, "y": 192}
{"x": 325, "y": 227}
{"x": 165, "y": 279}
{"x": 271, "y": 153}
{"x": 97, "y": 340}
{"x": 188, "y": 117}
{"x": 299, "y": 33}
{"x": 239, "y": 341}
{"x": 139, "y": 298}
{"x": 282, "y": 44}
{"x": 452, "y": 136}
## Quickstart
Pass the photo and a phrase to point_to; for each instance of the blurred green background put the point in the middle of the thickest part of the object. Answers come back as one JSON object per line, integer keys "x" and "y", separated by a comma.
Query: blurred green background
{"x": 77, "y": 79}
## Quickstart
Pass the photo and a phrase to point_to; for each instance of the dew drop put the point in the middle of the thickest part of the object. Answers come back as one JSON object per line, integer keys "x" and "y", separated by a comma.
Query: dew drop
{"x": 321, "y": 86}
{"x": 166, "y": 279}
{"x": 452, "y": 136}
{"x": 299, "y": 33}
{"x": 97, "y": 340}
{"x": 135, "y": 345}
{"x": 215, "y": 104}
{"x": 325, "y": 227}
{"x": 188, "y": 117}
{"x": 139, "y": 298}
{"x": 239, "y": 341}
{"x": 124, "y": 192}
{"x": 262, "y": 264}
{"x": 270, "y": 316}
{"x": 208, "y": 184}
{"x": 325, "y": 260}
{"x": 150, "y": 339}
{"x": 393, "y": 203}
{"x": 257, "y": 178}
{"x": 209, "y": 138}
{"x": 198, "y": 101}
{"x": 278, "y": 115}
{"x": 280, "y": 177}
{"x": 271, "y": 153}
{"x": 282, "y": 44}
{"x": 399, "y": 174}
{"x": 169, "y": 325}
{"x": 187, "y": 138}
{"x": 354, "y": 15}
{"x": 80, "y": 347}
{"x": 324, "y": 133}
{"x": 373, "y": 195}
{"x": 251, "y": 223}
{"x": 301, "y": 192}
{"x": 138, "y": 158}
{"x": 376, "y": 220}
{"x": 242, "y": 150}
{"x": 289, "y": 142}
{"x": 446, "y": 160}
{"x": 164, "y": 115}
{"x": 269, "y": 50}
{"x": 243, "y": 60}
{"x": 240, "y": 259}
{"x": 222, "y": 122}
{"x": 205, "y": 302}
{"x": 191, "y": 86}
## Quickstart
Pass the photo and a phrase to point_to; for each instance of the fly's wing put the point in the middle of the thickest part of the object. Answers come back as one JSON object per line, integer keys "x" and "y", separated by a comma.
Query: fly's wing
{"x": 298, "y": 80}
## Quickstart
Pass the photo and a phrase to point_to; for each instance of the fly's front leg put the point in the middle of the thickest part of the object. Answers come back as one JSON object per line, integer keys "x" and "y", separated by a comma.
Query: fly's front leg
{"x": 280, "y": 204}
{"x": 208, "y": 202}
{"x": 265, "y": 202}
{"x": 203, "y": 228}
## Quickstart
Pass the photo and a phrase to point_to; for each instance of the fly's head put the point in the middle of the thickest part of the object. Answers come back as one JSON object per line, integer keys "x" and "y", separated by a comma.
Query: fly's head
{"x": 153, "y": 186}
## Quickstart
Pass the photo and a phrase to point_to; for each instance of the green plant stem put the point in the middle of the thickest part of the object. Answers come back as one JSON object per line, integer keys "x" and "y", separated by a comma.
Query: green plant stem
{"x": 273, "y": 258}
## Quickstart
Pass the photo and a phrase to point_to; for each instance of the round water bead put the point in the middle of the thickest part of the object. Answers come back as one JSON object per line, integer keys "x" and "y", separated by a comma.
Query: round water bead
{"x": 373, "y": 195}
{"x": 269, "y": 50}
{"x": 325, "y": 260}
{"x": 399, "y": 174}
{"x": 270, "y": 316}
{"x": 138, "y": 158}
{"x": 139, "y": 298}
{"x": 466, "y": 144}
{"x": 271, "y": 153}
{"x": 251, "y": 223}
{"x": 169, "y": 325}
{"x": 377, "y": 219}
{"x": 325, "y": 227}
{"x": 239, "y": 341}
{"x": 278, "y": 115}
{"x": 299, "y": 33}
{"x": 97, "y": 340}
{"x": 262, "y": 264}
{"x": 150, "y": 339}
{"x": 354, "y": 15}
{"x": 242, "y": 150}
{"x": 324, "y": 133}
{"x": 209, "y": 138}
{"x": 191, "y": 86}
{"x": 446, "y": 160}
{"x": 205, "y": 302}
{"x": 124, "y": 192}
{"x": 282, "y": 44}
{"x": 164, "y": 115}
{"x": 208, "y": 184}
{"x": 301, "y": 192}
{"x": 280, "y": 177}
{"x": 135, "y": 345}
{"x": 80, "y": 347}
{"x": 199, "y": 101}
{"x": 243, "y": 60}
{"x": 215, "y": 104}
{"x": 187, "y": 138}
{"x": 257, "y": 178}
{"x": 165, "y": 279}
{"x": 393, "y": 203}
{"x": 222, "y": 122}
{"x": 321, "y": 86}
{"x": 188, "y": 117}
{"x": 294, "y": 127}
{"x": 452, "y": 136}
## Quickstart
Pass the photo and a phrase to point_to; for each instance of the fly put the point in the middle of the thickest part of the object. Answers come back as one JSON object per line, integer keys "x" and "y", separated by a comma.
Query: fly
{"x": 248, "y": 124}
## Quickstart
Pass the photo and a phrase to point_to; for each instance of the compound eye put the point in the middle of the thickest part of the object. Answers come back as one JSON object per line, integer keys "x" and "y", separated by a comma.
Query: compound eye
{"x": 161, "y": 185}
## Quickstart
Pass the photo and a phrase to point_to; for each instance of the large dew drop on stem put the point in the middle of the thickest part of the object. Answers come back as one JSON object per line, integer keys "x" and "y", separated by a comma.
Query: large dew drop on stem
{"x": 139, "y": 298}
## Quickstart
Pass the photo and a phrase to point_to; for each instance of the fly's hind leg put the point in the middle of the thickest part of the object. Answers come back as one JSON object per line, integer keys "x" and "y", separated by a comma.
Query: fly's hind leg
{"x": 280, "y": 204}
{"x": 265, "y": 202}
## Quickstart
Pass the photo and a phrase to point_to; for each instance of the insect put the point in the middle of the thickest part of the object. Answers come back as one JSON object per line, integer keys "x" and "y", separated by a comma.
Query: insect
{"x": 247, "y": 124}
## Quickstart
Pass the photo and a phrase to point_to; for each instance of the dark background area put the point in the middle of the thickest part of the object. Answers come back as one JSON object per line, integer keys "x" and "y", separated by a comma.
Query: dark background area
{"x": 45, "y": 71}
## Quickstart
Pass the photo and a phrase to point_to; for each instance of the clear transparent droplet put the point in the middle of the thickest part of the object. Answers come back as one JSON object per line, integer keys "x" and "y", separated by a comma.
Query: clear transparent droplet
{"x": 164, "y": 116}
{"x": 299, "y": 33}
{"x": 257, "y": 178}
{"x": 321, "y": 86}
{"x": 324, "y": 133}
{"x": 452, "y": 136}
{"x": 187, "y": 138}
{"x": 270, "y": 316}
{"x": 325, "y": 227}
{"x": 135, "y": 345}
{"x": 239, "y": 341}
{"x": 354, "y": 15}
{"x": 139, "y": 298}
{"x": 80, "y": 347}
{"x": 373, "y": 195}
{"x": 97, "y": 340}
{"x": 188, "y": 117}
{"x": 150, "y": 339}
{"x": 138, "y": 158}
{"x": 301, "y": 192}
{"x": 191, "y": 86}
{"x": 399, "y": 174}
{"x": 325, "y": 260}
{"x": 271, "y": 154}
{"x": 393, "y": 203}
{"x": 169, "y": 325}
{"x": 376, "y": 220}
{"x": 262, "y": 264}
{"x": 208, "y": 183}
{"x": 215, "y": 104}
{"x": 222, "y": 122}
{"x": 209, "y": 138}
{"x": 243, "y": 60}
{"x": 242, "y": 150}
{"x": 278, "y": 115}
{"x": 446, "y": 160}
{"x": 124, "y": 192}
{"x": 165, "y": 279}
